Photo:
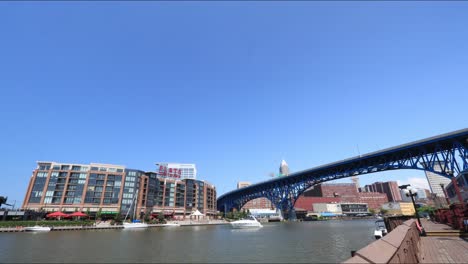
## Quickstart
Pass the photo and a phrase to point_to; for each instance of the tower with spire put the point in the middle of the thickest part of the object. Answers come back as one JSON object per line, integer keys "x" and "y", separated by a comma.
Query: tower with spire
{"x": 284, "y": 168}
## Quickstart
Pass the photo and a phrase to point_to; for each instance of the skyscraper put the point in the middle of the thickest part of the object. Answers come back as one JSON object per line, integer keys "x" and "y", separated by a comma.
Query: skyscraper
{"x": 284, "y": 168}
{"x": 355, "y": 180}
{"x": 436, "y": 180}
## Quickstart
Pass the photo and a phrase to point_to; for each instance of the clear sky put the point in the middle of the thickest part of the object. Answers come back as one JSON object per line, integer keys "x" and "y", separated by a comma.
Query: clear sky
{"x": 233, "y": 87}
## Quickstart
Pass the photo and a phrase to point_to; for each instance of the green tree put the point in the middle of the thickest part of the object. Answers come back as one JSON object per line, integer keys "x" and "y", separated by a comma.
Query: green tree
{"x": 98, "y": 214}
{"x": 161, "y": 219}
{"x": 383, "y": 211}
{"x": 118, "y": 218}
{"x": 426, "y": 210}
{"x": 372, "y": 211}
{"x": 147, "y": 217}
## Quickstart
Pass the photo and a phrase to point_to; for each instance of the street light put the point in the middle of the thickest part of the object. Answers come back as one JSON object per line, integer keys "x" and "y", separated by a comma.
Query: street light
{"x": 412, "y": 192}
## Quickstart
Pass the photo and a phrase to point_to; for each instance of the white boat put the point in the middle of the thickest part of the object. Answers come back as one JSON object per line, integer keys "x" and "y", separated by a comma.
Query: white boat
{"x": 135, "y": 223}
{"x": 170, "y": 224}
{"x": 380, "y": 229}
{"x": 37, "y": 228}
{"x": 252, "y": 222}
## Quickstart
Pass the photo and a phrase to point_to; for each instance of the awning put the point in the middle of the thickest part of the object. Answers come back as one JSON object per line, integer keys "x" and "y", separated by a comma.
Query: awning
{"x": 328, "y": 214}
{"x": 108, "y": 212}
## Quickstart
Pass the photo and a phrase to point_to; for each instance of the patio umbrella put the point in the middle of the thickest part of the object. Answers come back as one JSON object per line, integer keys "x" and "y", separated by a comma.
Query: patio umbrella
{"x": 56, "y": 214}
{"x": 78, "y": 214}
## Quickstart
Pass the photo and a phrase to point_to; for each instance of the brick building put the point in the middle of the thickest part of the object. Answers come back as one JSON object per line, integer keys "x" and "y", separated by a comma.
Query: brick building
{"x": 390, "y": 188}
{"x": 259, "y": 203}
{"x": 372, "y": 199}
{"x": 112, "y": 189}
{"x": 339, "y": 193}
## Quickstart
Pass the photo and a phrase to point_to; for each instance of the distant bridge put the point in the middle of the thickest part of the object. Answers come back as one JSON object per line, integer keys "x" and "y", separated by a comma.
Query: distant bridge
{"x": 449, "y": 151}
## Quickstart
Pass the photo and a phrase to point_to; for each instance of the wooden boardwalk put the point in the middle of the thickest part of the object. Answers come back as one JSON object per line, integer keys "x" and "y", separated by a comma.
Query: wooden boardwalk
{"x": 443, "y": 250}
{"x": 442, "y": 245}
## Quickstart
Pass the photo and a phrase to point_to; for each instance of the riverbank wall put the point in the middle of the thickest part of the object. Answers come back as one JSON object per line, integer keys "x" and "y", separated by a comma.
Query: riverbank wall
{"x": 107, "y": 227}
{"x": 401, "y": 245}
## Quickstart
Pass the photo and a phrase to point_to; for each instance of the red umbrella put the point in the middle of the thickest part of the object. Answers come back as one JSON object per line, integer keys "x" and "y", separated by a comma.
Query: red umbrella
{"x": 78, "y": 214}
{"x": 57, "y": 214}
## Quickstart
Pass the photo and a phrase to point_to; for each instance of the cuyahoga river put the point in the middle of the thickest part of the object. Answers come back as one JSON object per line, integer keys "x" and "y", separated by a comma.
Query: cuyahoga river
{"x": 321, "y": 241}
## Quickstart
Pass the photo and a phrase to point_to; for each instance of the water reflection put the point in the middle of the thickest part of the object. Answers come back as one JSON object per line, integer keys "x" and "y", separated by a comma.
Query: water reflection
{"x": 321, "y": 241}
{"x": 245, "y": 230}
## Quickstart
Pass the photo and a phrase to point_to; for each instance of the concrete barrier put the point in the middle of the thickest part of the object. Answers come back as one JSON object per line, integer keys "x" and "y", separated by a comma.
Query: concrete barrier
{"x": 399, "y": 246}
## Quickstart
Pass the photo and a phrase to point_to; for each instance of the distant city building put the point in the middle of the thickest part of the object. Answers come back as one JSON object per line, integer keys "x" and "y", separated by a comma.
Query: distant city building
{"x": 339, "y": 193}
{"x": 390, "y": 188}
{"x": 355, "y": 180}
{"x": 462, "y": 182}
{"x": 345, "y": 191}
{"x": 307, "y": 202}
{"x": 435, "y": 180}
{"x": 399, "y": 208}
{"x": 374, "y": 200}
{"x": 264, "y": 213}
{"x": 284, "y": 168}
{"x": 258, "y": 203}
{"x": 112, "y": 189}
{"x": 177, "y": 170}
{"x": 334, "y": 208}
{"x": 243, "y": 184}
{"x": 421, "y": 194}
{"x": 352, "y": 209}
{"x": 428, "y": 193}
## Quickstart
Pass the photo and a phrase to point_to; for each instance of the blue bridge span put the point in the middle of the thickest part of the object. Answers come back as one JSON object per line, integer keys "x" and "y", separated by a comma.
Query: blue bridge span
{"x": 449, "y": 151}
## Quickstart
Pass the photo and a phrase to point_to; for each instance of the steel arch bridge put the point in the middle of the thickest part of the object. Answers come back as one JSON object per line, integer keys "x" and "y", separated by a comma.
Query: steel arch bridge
{"x": 449, "y": 151}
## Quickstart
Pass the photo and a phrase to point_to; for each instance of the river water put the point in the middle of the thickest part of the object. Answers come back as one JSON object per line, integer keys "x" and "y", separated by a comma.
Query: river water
{"x": 311, "y": 242}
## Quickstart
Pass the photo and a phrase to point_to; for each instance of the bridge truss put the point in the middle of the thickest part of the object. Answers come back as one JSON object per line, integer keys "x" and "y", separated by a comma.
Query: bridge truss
{"x": 446, "y": 155}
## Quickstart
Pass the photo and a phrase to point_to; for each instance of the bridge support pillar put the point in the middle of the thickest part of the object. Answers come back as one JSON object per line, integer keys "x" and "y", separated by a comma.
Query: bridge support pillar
{"x": 287, "y": 210}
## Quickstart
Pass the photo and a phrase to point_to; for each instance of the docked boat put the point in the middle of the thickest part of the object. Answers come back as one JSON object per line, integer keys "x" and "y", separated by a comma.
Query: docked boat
{"x": 251, "y": 222}
{"x": 170, "y": 225}
{"x": 135, "y": 224}
{"x": 380, "y": 229}
{"x": 37, "y": 228}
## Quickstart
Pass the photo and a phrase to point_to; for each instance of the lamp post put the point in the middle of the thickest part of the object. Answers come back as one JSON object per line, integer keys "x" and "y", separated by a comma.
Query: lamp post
{"x": 412, "y": 192}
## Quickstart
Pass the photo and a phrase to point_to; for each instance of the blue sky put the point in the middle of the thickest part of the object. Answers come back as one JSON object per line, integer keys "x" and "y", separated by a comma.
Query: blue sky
{"x": 231, "y": 86}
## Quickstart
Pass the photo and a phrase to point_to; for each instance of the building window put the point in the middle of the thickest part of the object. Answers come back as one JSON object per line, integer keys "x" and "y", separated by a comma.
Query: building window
{"x": 42, "y": 174}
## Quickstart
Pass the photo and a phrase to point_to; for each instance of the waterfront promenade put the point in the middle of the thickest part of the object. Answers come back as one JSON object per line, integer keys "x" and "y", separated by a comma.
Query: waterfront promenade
{"x": 404, "y": 245}
{"x": 443, "y": 244}
{"x": 103, "y": 226}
